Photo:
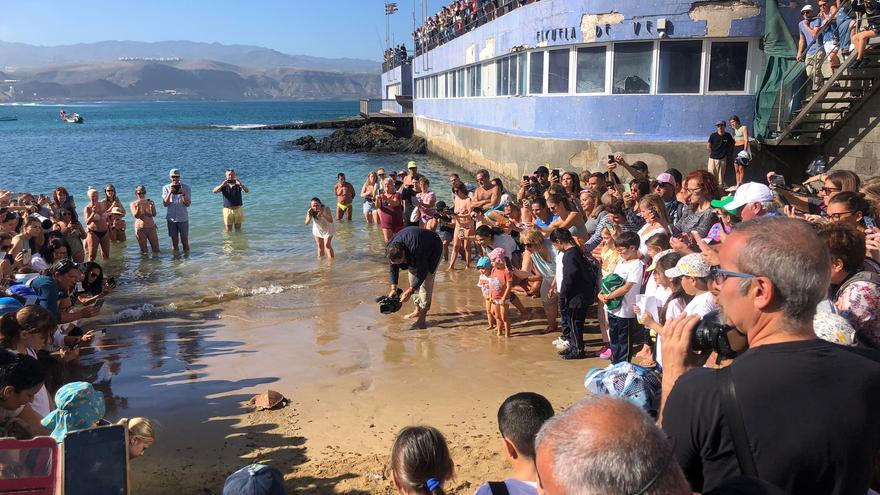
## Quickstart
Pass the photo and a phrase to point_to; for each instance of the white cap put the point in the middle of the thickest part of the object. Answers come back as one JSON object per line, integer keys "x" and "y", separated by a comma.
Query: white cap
{"x": 750, "y": 192}
{"x": 807, "y": 8}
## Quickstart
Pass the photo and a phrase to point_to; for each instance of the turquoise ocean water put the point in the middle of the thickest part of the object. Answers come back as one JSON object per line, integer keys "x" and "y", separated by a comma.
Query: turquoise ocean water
{"x": 138, "y": 143}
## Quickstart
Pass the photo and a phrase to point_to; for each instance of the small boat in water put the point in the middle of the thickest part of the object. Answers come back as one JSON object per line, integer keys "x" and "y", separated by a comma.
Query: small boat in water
{"x": 8, "y": 119}
{"x": 71, "y": 118}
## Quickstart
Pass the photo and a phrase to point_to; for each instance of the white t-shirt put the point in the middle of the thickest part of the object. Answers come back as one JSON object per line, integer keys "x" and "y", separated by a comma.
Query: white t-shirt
{"x": 701, "y": 305}
{"x": 674, "y": 309}
{"x": 515, "y": 487}
{"x": 630, "y": 271}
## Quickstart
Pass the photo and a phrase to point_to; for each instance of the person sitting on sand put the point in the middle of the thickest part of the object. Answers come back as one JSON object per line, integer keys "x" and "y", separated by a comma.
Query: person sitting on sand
{"x": 520, "y": 417}
{"x": 419, "y": 251}
{"x": 80, "y": 407}
{"x": 344, "y": 196}
{"x": 141, "y": 435}
{"x": 21, "y": 377}
{"x": 98, "y": 224}
{"x": 145, "y": 229}
{"x": 420, "y": 461}
{"x": 322, "y": 226}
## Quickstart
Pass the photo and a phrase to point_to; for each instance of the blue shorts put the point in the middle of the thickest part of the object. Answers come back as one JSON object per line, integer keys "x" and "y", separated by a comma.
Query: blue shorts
{"x": 178, "y": 229}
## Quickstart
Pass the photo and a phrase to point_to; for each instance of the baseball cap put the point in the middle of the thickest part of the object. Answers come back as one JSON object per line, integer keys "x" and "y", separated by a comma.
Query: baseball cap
{"x": 175, "y": 172}
{"x": 720, "y": 123}
{"x": 255, "y": 479}
{"x": 723, "y": 204}
{"x": 411, "y": 164}
{"x": 380, "y": 171}
{"x": 750, "y": 192}
{"x": 666, "y": 178}
{"x": 692, "y": 265}
{"x": 542, "y": 170}
{"x": 484, "y": 262}
{"x": 807, "y": 8}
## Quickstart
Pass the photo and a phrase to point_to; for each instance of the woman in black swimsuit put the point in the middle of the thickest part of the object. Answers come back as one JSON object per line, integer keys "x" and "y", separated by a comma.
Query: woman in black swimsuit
{"x": 98, "y": 224}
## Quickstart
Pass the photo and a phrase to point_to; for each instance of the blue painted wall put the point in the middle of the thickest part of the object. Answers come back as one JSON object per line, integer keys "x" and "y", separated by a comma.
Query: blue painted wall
{"x": 600, "y": 117}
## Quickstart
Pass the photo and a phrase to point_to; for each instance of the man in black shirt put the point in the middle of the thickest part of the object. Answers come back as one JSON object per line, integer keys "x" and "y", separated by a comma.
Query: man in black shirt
{"x": 231, "y": 188}
{"x": 419, "y": 251}
{"x": 720, "y": 146}
{"x": 807, "y": 406}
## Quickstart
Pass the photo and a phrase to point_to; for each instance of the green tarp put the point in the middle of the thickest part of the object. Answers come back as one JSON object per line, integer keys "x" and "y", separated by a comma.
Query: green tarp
{"x": 780, "y": 50}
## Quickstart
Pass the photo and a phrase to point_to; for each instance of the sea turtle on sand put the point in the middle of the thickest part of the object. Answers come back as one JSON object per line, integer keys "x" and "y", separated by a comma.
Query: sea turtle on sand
{"x": 270, "y": 399}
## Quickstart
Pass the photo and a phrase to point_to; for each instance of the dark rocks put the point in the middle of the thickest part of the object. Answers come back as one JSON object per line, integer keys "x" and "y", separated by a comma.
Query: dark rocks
{"x": 346, "y": 123}
{"x": 369, "y": 138}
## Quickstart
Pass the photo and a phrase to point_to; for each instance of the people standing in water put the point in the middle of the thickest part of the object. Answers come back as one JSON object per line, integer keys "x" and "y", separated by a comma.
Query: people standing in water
{"x": 233, "y": 211}
{"x": 145, "y": 229}
{"x": 465, "y": 226}
{"x": 390, "y": 210}
{"x": 177, "y": 197}
{"x": 369, "y": 191}
{"x": 322, "y": 226}
{"x": 344, "y": 196}
{"x": 98, "y": 224}
{"x": 111, "y": 201}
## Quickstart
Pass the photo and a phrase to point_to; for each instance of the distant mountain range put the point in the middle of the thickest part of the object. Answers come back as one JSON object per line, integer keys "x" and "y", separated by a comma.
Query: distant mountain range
{"x": 178, "y": 70}
{"x": 21, "y": 55}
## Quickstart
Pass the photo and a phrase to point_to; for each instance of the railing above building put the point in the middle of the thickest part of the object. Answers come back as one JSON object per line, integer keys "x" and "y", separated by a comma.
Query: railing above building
{"x": 392, "y": 64}
{"x": 379, "y": 107}
{"x": 455, "y": 23}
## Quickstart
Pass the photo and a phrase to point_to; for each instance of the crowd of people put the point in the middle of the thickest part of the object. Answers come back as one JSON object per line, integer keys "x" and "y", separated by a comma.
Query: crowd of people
{"x": 459, "y": 17}
{"x": 394, "y": 57}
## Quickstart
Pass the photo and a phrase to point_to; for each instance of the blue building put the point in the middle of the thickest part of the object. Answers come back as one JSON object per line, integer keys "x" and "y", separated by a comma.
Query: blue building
{"x": 568, "y": 82}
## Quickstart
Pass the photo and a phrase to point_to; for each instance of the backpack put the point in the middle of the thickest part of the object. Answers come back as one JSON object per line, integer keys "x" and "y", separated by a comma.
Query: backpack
{"x": 865, "y": 276}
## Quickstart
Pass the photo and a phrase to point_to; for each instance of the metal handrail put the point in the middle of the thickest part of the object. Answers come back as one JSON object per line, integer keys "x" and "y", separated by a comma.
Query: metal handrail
{"x": 437, "y": 37}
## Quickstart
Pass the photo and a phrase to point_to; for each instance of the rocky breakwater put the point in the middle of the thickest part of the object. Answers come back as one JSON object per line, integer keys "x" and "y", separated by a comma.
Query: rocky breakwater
{"x": 370, "y": 138}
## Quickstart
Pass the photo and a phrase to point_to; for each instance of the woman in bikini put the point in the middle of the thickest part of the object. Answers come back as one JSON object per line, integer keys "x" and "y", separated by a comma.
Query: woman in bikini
{"x": 72, "y": 232}
{"x": 144, "y": 210}
{"x": 111, "y": 201}
{"x": 464, "y": 226}
{"x": 98, "y": 225}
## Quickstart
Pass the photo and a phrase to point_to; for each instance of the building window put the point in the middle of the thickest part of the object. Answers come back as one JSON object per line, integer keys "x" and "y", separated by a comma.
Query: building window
{"x": 508, "y": 77}
{"x": 590, "y": 70}
{"x": 557, "y": 79}
{"x": 461, "y": 84}
{"x": 473, "y": 80}
{"x": 680, "y": 64}
{"x": 727, "y": 65}
{"x": 536, "y": 73}
{"x": 632, "y": 68}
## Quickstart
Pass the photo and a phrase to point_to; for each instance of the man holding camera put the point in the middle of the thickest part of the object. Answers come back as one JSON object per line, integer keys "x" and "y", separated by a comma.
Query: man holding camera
{"x": 231, "y": 188}
{"x": 419, "y": 251}
{"x": 793, "y": 410}
{"x": 177, "y": 197}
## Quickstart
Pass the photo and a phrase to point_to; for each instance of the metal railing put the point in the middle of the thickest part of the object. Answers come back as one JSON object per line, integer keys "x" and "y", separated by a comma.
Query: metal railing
{"x": 395, "y": 63}
{"x": 376, "y": 105}
{"x": 487, "y": 11}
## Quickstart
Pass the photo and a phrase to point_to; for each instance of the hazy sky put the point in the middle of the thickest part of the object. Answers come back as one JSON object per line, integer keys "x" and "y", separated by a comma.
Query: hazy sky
{"x": 327, "y": 28}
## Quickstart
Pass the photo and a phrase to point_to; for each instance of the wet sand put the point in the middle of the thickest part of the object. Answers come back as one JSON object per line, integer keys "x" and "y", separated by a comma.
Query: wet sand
{"x": 354, "y": 377}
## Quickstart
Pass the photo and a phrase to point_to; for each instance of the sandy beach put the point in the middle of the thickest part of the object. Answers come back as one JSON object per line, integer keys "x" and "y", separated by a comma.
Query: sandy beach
{"x": 354, "y": 378}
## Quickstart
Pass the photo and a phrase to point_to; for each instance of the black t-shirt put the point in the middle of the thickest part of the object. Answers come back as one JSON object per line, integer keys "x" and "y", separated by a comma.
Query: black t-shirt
{"x": 722, "y": 145}
{"x": 810, "y": 411}
{"x": 231, "y": 195}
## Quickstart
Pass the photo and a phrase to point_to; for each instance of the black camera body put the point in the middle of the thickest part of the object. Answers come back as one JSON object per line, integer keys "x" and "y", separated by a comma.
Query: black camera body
{"x": 390, "y": 304}
{"x": 711, "y": 335}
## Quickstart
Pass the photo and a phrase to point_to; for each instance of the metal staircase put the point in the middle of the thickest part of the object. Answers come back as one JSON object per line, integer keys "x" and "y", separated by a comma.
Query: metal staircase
{"x": 828, "y": 108}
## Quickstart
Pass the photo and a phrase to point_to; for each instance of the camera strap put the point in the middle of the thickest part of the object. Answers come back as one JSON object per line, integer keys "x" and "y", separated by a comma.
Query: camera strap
{"x": 735, "y": 423}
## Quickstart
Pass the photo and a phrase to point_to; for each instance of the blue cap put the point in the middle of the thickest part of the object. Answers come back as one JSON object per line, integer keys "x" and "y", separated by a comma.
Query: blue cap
{"x": 9, "y": 305}
{"x": 484, "y": 262}
{"x": 255, "y": 479}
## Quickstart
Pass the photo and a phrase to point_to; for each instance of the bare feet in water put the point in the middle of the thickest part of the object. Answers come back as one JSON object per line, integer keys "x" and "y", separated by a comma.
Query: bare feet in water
{"x": 412, "y": 315}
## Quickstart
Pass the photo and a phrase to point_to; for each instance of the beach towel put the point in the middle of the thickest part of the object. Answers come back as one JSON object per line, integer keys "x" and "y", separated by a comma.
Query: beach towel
{"x": 609, "y": 284}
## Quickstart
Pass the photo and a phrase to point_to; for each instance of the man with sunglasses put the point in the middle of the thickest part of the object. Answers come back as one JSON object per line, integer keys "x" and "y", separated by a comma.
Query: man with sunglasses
{"x": 664, "y": 186}
{"x": 801, "y": 408}
{"x": 810, "y": 50}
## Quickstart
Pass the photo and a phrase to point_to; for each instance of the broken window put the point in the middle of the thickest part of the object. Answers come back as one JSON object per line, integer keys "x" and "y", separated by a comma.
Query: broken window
{"x": 591, "y": 70}
{"x": 557, "y": 80}
{"x": 632, "y": 68}
{"x": 727, "y": 65}
{"x": 680, "y": 63}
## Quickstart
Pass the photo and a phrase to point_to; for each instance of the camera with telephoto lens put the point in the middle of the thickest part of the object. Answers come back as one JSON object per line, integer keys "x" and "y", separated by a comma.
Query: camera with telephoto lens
{"x": 390, "y": 304}
{"x": 712, "y": 335}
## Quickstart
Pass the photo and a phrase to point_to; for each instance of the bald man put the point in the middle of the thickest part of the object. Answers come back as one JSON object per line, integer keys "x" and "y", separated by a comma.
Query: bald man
{"x": 605, "y": 445}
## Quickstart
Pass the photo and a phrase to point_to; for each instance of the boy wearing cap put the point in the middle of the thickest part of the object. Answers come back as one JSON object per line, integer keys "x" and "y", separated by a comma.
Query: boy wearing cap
{"x": 720, "y": 146}
{"x": 695, "y": 275}
{"x": 177, "y": 197}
